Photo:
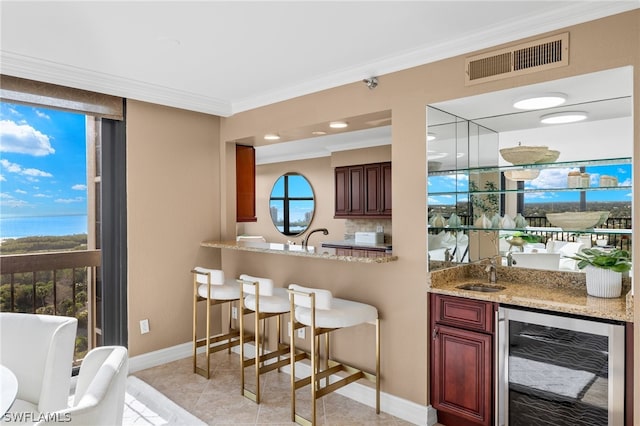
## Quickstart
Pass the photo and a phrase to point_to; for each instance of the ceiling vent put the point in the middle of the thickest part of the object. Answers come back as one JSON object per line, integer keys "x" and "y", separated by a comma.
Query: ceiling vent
{"x": 525, "y": 58}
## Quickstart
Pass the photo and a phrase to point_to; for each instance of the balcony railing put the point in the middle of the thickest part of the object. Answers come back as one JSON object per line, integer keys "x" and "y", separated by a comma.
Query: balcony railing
{"x": 58, "y": 283}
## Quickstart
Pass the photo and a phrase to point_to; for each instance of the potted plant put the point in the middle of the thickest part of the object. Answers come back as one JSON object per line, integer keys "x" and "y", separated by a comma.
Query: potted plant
{"x": 603, "y": 270}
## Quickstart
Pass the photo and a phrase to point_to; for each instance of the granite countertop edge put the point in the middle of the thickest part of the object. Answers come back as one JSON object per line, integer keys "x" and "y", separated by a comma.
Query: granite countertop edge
{"x": 294, "y": 250}
{"x": 562, "y": 292}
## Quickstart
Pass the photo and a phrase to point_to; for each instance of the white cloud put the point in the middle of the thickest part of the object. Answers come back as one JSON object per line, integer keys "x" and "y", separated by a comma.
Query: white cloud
{"x": 69, "y": 200}
{"x": 17, "y": 168}
{"x": 23, "y": 139}
{"x": 42, "y": 115}
{"x": 551, "y": 178}
{"x": 79, "y": 187}
{"x": 2, "y": 178}
{"x": 41, "y": 196}
{"x": 9, "y": 200}
{"x": 21, "y": 191}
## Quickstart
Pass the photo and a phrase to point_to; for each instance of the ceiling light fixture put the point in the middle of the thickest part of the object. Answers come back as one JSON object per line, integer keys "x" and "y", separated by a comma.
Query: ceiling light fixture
{"x": 563, "y": 117}
{"x": 430, "y": 137}
{"x": 545, "y": 100}
{"x": 338, "y": 124}
{"x": 318, "y": 133}
{"x": 271, "y": 137}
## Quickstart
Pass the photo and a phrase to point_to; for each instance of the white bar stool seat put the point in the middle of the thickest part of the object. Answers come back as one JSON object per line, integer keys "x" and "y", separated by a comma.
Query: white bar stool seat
{"x": 323, "y": 313}
{"x": 210, "y": 286}
{"x": 263, "y": 300}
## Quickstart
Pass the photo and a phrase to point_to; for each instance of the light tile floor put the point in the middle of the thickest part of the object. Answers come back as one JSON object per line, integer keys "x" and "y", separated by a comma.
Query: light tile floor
{"x": 218, "y": 401}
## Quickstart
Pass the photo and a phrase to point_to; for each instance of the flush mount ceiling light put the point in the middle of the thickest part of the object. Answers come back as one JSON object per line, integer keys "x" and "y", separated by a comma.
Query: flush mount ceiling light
{"x": 271, "y": 137}
{"x": 338, "y": 124}
{"x": 430, "y": 136}
{"x": 563, "y": 117}
{"x": 318, "y": 133}
{"x": 545, "y": 100}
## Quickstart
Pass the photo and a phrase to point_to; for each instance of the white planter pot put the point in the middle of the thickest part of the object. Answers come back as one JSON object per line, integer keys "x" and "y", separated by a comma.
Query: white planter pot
{"x": 603, "y": 282}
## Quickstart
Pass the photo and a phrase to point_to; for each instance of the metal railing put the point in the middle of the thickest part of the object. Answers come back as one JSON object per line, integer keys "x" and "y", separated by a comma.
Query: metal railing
{"x": 57, "y": 283}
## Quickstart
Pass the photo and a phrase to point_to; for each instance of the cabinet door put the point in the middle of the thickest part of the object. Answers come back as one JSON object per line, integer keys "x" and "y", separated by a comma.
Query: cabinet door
{"x": 373, "y": 189}
{"x": 245, "y": 184}
{"x": 356, "y": 190}
{"x": 342, "y": 191}
{"x": 385, "y": 195}
{"x": 461, "y": 375}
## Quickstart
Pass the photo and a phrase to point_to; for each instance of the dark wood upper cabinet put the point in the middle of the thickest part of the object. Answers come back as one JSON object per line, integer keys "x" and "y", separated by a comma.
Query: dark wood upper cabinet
{"x": 363, "y": 191}
{"x": 245, "y": 184}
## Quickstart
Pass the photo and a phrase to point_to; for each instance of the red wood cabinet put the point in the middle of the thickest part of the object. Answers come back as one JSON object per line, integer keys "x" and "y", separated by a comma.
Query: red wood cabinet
{"x": 363, "y": 191}
{"x": 245, "y": 184}
{"x": 462, "y": 360}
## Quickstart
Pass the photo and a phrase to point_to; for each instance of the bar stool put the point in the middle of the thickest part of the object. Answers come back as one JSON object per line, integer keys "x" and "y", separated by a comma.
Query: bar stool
{"x": 210, "y": 286}
{"x": 264, "y": 301}
{"x": 323, "y": 313}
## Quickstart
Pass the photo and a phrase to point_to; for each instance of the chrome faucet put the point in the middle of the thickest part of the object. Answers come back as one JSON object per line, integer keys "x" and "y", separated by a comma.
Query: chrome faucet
{"x": 448, "y": 257}
{"x": 510, "y": 260}
{"x": 306, "y": 239}
{"x": 492, "y": 271}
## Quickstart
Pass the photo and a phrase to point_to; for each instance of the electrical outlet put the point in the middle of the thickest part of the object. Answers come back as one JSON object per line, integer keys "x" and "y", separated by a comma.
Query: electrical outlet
{"x": 301, "y": 333}
{"x": 234, "y": 312}
{"x": 144, "y": 326}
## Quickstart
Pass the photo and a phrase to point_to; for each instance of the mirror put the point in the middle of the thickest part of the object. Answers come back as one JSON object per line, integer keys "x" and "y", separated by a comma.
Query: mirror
{"x": 291, "y": 204}
{"x": 601, "y": 146}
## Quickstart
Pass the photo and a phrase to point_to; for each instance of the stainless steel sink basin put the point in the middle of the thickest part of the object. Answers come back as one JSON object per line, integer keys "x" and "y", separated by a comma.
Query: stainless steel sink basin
{"x": 482, "y": 287}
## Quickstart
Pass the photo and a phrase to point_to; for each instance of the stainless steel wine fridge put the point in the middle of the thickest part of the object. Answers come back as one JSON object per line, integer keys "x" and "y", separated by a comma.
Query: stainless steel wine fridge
{"x": 557, "y": 370}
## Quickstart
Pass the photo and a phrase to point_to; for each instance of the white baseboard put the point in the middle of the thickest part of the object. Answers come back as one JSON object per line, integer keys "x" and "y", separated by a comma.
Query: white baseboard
{"x": 406, "y": 410}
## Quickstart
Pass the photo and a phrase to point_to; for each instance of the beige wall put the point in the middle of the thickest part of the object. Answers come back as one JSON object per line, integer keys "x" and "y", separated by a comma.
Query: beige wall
{"x": 162, "y": 248}
{"x": 173, "y": 197}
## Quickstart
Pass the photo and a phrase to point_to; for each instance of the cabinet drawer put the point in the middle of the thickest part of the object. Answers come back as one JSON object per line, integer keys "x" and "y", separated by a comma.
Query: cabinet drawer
{"x": 463, "y": 313}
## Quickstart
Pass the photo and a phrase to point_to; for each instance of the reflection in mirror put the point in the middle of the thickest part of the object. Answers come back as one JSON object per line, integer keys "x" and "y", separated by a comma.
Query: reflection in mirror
{"x": 291, "y": 204}
{"x": 599, "y": 149}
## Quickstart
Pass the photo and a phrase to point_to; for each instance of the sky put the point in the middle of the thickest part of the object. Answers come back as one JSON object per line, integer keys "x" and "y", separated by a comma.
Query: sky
{"x": 542, "y": 188}
{"x": 42, "y": 162}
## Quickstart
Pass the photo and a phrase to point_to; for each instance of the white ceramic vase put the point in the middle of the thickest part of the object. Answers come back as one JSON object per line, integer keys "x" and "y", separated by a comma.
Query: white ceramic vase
{"x": 603, "y": 282}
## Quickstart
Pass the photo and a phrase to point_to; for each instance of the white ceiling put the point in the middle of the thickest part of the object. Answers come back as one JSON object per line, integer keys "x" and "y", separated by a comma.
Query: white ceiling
{"x": 224, "y": 57}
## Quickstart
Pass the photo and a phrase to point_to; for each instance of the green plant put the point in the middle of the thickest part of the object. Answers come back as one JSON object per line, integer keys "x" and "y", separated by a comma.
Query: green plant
{"x": 616, "y": 260}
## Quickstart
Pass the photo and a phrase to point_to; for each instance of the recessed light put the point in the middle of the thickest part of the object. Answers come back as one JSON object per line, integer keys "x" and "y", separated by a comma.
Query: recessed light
{"x": 430, "y": 136}
{"x": 435, "y": 155}
{"x": 545, "y": 100}
{"x": 563, "y": 117}
{"x": 338, "y": 124}
{"x": 271, "y": 137}
{"x": 318, "y": 133}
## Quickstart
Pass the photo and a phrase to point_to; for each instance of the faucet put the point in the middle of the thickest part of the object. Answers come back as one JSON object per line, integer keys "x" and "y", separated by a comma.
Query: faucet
{"x": 306, "y": 239}
{"x": 448, "y": 257}
{"x": 510, "y": 260}
{"x": 492, "y": 270}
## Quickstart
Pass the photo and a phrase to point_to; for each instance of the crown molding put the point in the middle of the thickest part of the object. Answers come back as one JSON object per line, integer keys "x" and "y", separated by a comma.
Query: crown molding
{"x": 575, "y": 13}
{"x": 65, "y": 75}
{"x": 51, "y": 72}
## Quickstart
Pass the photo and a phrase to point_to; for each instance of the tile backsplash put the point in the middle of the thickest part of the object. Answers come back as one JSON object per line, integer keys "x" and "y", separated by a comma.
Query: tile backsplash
{"x": 352, "y": 226}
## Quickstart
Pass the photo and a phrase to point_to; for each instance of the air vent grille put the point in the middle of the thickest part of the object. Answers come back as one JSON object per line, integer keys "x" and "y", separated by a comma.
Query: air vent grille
{"x": 525, "y": 58}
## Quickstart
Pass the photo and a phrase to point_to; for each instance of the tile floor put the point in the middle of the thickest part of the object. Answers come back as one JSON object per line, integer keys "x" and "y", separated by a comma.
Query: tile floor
{"x": 218, "y": 401}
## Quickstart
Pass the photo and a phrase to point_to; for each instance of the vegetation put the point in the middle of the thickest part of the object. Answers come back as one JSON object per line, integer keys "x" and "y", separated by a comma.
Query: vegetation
{"x": 616, "y": 260}
{"x": 43, "y": 244}
{"x": 60, "y": 292}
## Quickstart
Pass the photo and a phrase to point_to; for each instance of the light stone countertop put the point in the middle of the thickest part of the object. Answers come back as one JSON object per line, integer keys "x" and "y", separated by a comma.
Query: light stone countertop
{"x": 296, "y": 250}
{"x": 563, "y": 292}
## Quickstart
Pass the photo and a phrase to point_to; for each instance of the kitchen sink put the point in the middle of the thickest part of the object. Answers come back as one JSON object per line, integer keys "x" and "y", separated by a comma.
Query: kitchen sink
{"x": 482, "y": 287}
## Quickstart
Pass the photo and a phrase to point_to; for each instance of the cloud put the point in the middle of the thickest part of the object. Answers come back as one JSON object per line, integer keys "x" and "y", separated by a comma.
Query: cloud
{"x": 41, "y": 196}
{"x": 550, "y": 178}
{"x": 17, "y": 168}
{"x": 42, "y": 115}
{"x": 23, "y": 139}
{"x": 69, "y": 200}
{"x": 2, "y": 178}
{"x": 79, "y": 187}
{"x": 9, "y": 200}
{"x": 21, "y": 191}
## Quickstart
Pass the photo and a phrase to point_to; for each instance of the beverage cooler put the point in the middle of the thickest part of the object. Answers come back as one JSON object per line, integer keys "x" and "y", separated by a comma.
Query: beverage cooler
{"x": 558, "y": 370}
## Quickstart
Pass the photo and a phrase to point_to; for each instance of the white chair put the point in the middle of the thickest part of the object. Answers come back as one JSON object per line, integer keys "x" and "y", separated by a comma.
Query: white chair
{"x": 38, "y": 349}
{"x": 323, "y": 313}
{"x": 100, "y": 390}
{"x": 264, "y": 301}
{"x": 210, "y": 286}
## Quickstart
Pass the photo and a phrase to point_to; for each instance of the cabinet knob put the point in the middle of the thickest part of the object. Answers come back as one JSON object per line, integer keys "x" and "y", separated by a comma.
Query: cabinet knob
{"x": 435, "y": 333}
